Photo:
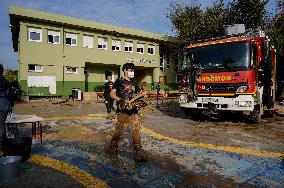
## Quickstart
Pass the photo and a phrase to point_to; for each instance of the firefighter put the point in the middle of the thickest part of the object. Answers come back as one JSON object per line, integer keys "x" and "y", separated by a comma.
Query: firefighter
{"x": 4, "y": 103}
{"x": 108, "y": 100}
{"x": 123, "y": 90}
{"x": 193, "y": 73}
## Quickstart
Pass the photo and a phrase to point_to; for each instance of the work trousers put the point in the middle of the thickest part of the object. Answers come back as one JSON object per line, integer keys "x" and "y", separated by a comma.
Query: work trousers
{"x": 133, "y": 121}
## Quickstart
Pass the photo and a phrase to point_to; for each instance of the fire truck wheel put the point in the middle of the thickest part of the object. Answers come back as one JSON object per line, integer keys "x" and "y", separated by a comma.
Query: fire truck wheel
{"x": 196, "y": 115}
{"x": 255, "y": 116}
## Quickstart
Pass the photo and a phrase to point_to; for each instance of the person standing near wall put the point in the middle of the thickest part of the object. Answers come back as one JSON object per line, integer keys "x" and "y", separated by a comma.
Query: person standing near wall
{"x": 4, "y": 104}
{"x": 108, "y": 100}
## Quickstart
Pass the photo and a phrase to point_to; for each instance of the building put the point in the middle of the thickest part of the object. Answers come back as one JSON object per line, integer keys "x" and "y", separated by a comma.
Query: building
{"x": 59, "y": 53}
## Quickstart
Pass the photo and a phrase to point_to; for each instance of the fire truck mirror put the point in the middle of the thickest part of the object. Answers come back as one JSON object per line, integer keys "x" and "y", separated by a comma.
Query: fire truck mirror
{"x": 266, "y": 49}
{"x": 260, "y": 77}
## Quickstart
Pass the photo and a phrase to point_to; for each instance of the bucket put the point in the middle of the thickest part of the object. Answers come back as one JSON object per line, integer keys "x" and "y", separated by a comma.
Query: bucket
{"x": 19, "y": 146}
{"x": 9, "y": 168}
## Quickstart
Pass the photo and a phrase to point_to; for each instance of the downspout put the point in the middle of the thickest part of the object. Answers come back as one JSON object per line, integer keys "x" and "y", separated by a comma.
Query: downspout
{"x": 63, "y": 56}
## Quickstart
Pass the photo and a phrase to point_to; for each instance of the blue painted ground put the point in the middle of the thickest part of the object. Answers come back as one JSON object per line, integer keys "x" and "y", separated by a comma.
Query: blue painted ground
{"x": 171, "y": 165}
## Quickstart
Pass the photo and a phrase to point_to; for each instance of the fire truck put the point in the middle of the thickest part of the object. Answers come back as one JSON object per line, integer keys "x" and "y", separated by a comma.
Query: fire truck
{"x": 233, "y": 73}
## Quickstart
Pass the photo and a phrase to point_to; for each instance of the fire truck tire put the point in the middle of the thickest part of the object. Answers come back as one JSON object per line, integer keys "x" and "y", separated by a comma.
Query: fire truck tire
{"x": 255, "y": 116}
{"x": 196, "y": 114}
{"x": 193, "y": 113}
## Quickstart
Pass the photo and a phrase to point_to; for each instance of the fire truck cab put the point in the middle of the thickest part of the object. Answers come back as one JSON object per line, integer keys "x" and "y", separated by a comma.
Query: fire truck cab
{"x": 237, "y": 74}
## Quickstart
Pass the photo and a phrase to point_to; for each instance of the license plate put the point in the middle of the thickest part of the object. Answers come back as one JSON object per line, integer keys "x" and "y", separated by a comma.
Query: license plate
{"x": 212, "y": 100}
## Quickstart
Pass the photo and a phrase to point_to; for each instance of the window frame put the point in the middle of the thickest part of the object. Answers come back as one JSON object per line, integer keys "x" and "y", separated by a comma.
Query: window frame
{"x": 104, "y": 43}
{"x": 128, "y": 44}
{"x": 162, "y": 63}
{"x": 85, "y": 39}
{"x": 72, "y": 38}
{"x": 139, "y": 44}
{"x": 53, "y": 31}
{"x": 34, "y": 30}
{"x": 113, "y": 45}
{"x": 168, "y": 61}
{"x": 71, "y": 72}
{"x": 35, "y": 70}
{"x": 151, "y": 47}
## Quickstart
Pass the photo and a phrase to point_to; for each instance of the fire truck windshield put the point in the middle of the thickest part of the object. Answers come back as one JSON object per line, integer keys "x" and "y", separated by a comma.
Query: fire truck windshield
{"x": 222, "y": 57}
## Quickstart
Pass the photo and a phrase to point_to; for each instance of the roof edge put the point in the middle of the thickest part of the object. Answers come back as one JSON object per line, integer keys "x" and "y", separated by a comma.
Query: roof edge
{"x": 85, "y": 23}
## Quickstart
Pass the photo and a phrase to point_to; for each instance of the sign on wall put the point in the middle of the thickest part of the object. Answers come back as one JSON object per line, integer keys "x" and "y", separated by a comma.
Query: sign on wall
{"x": 43, "y": 81}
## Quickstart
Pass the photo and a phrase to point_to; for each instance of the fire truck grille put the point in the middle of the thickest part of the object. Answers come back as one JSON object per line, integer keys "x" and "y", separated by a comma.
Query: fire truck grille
{"x": 221, "y": 88}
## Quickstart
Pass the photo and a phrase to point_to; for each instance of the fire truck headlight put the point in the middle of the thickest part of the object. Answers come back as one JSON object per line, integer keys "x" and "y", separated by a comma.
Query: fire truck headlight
{"x": 242, "y": 89}
{"x": 244, "y": 103}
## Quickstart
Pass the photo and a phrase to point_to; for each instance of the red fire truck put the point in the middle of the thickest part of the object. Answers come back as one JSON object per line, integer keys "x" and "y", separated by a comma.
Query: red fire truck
{"x": 237, "y": 73}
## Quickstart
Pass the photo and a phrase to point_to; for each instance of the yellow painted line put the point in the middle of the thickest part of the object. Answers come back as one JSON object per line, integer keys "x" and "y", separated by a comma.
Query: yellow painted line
{"x": 76, "y": 173}
{"x": 222, "y": 94}
{"x": 232, "y": 149}
{"x": 90, "y": 116}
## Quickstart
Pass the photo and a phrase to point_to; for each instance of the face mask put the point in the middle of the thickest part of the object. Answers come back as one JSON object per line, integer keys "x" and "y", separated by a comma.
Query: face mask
{"x": 130, "y": 74}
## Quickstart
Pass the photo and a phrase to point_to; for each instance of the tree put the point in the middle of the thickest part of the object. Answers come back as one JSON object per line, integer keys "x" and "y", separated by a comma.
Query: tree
{"x": 280, "y": 5}
{"x": 214, "y": 20}
{"x": 276, "y": 33}
{"x": 191, "y": 23}
{"x": 10, "y": 75}
{"x": 187, "y": 21}
{"x": 252, "y": 13}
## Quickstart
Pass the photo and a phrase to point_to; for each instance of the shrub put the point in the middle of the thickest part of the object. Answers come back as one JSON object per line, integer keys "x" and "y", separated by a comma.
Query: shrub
{"x": 166, "y": 88}
{"x": 99, "y": 88}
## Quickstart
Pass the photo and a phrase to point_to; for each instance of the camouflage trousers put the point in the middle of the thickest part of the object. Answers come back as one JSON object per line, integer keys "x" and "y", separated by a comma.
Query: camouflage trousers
{"x": 133, "y": 122}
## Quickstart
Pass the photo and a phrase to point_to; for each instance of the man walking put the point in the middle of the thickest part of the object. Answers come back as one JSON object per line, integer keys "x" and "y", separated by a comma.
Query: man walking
{"x": 123, "y": 90}
{"x": 108, "y": 100}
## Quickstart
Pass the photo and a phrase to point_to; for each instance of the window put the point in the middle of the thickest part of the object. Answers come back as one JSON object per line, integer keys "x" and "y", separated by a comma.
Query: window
{"x": 35, "y": 68}
{"x": 71, "y": 39}
{"x": 129, "y": 47}
{"x": 88, "y": 42}
{"x": 140, "y": 48}
{"x": 115, "y": 45}
{"x": 161, "y": 62}
{"x": 102, "y": 43}
{"x": 53, "y": 37}
{"x": 34, "y": 34}
{"x": 73, "y": 70}
{"x": 151, "y": 50}
{"x": 168, "y": 61}
{"x": 179, "y": 78}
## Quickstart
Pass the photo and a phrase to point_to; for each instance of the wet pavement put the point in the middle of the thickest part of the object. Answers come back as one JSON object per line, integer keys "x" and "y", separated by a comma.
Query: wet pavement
{"x": 181, "y": 149}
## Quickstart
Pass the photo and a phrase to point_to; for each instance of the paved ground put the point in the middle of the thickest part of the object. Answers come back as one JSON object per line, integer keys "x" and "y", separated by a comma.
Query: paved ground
{"x": 227, "y": 152}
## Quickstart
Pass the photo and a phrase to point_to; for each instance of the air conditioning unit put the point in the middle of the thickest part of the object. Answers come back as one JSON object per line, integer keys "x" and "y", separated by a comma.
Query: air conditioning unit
{"x": 77, "y": 94}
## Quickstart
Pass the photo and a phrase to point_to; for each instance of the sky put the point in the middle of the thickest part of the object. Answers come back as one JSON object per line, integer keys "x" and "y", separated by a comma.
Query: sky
{"x": 146, "y": 15}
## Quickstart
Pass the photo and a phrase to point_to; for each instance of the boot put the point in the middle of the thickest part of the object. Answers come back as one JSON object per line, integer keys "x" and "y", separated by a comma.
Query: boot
{"x": 139, "y": 154}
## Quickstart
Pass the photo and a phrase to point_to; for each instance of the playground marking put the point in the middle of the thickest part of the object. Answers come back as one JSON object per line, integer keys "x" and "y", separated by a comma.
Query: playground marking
{"x": 76, "y": 173}
{"x": 232, "y": 149}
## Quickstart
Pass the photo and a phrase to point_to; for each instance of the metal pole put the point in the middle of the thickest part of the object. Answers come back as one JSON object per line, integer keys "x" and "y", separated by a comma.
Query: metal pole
{"x": 157, "y": 99}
